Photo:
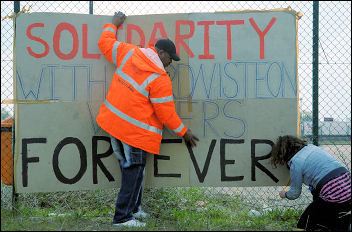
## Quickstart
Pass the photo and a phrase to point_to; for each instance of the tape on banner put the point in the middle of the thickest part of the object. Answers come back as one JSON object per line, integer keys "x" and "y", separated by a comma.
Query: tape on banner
{"x": 24, "y": 10}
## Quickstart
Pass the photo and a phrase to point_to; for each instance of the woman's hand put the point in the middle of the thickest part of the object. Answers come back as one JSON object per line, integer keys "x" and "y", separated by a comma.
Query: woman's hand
{"x": 282, "y": 194}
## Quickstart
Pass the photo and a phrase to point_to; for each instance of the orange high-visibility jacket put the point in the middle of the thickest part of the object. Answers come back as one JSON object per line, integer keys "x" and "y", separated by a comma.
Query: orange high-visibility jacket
{"x": 140, "y": 98}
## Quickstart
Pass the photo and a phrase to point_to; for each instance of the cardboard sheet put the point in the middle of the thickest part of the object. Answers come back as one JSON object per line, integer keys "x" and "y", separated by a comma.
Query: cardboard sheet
{"x": 235, "y": 87}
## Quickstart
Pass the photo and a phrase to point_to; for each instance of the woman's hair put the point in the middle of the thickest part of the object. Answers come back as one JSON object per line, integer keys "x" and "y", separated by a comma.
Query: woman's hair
{"x": 285, "y": 148}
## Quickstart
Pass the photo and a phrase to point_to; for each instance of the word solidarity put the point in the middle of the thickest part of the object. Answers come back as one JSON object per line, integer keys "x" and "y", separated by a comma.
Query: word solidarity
{"x": 97, "y": 159}
{"x": 179, "y": 39}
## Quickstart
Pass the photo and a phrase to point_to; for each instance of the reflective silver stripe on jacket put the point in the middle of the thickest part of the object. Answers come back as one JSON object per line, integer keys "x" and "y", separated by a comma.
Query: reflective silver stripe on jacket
{"x": 126, "y": 58}
{"x": 162, "y": 99}
{"x": 132, "y": 120}
{"x": 149, "y": 79}
{"x": 131, "y": 81}
{"x": 110, "y": 29}
{"x": 179, "y": 129}
{"x": 114, "y": 52}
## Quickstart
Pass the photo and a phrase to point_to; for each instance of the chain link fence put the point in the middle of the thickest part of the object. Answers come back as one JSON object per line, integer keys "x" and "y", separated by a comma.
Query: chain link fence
{"x": 334, "y": 115}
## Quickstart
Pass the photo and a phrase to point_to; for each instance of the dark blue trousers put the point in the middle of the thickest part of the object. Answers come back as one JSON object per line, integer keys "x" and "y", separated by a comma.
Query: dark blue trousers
{"x": 132, "y": 164}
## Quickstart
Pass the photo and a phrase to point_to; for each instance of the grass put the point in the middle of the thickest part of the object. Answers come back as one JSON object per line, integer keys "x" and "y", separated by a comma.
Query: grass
{"x": 170, "y": 209}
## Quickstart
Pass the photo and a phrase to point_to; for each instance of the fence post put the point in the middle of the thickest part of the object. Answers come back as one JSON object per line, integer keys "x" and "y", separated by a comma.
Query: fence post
{"x": 16, "y": 6}
{"x": 90, "y": 7}
{"x": 16, "y": 9}
{"x": 315, "y": 72}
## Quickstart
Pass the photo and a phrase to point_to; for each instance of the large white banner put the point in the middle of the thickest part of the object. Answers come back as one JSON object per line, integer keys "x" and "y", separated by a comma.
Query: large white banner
{"x": 235, "y": 87}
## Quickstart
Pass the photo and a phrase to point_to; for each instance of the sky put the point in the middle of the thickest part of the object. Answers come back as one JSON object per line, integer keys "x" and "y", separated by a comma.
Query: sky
{"x": 334, "y": 42}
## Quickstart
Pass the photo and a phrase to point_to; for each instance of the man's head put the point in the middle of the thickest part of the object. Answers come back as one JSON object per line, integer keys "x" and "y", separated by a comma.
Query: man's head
{"x": 167, "y": 51}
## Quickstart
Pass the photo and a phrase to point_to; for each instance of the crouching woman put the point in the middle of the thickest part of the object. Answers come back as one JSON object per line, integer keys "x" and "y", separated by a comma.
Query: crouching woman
{"x": 328, "y": 180}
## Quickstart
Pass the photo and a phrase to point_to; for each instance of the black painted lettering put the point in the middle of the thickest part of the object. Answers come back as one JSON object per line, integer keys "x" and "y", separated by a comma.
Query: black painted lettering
{"x": 255, "y": 159}
{"x": 164, "y": 157}
{"x": 201, "y": 174}
{"x": 156, "y": 171}
{"x": 224, "y": 162}
{"x": 26, "y": 160}
{"x": 171, "y": 141}
{"x": 96, "y": 158}
{"x": 83, "y": 158}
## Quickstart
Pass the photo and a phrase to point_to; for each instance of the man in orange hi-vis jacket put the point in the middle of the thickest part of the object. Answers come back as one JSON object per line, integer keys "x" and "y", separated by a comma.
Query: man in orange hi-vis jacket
{"x": 138, "y": 104}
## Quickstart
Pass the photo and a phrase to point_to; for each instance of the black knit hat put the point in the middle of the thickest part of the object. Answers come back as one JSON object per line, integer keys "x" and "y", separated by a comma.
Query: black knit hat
{"x": 168, "y": 46}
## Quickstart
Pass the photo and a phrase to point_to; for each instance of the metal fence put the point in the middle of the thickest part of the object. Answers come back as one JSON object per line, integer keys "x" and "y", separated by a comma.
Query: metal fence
{"x": 324, "y": 70}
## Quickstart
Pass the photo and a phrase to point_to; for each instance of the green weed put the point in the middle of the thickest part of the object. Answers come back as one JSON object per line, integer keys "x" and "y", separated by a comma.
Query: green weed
{"x": 176, "y": 209}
